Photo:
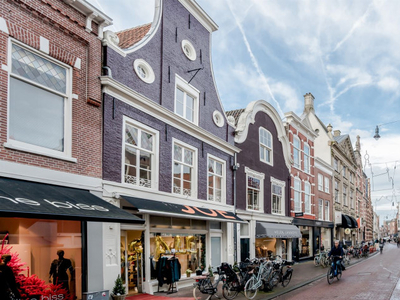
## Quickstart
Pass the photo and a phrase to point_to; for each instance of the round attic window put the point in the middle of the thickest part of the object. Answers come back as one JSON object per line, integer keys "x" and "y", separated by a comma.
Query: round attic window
{"x": 188, "y": 50}
{"x": 218, "y": 118}
{"x": 143, "y": 70}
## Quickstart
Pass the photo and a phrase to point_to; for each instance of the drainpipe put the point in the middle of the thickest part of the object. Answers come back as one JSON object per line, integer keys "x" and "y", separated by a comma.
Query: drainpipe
{"x": 235, "y": 168}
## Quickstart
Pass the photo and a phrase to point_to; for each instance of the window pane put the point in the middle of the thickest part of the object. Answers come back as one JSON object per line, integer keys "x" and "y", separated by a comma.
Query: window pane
{"x": 130, "y": 156}
{"x": 218, "y": 195}
{"x": 276, "y": 189}
{"x": 36, "y": 116}
{"x": 179, "y": 102}
{"x": 211, "y": 165}
{"x": 147, "y": 141}
{"x": 39, "y": 70}
{"x": 145, "y": 160}
{"x": 177, "y": 170}
{"x": 177, "y": 153}
{"x": 188, "y": 157}
{"x": 187, "y": 173}
{"x": 210, "y": 180}
{"x": 218, "y": 182}
{"x": 268, "y": 155}
{"x": 218, "y": 168}
{"x": 253, "y": 182}
{"x": 262, "y": 156}
{"x": 189, "y": 114}
{"x": 131, "y": 135}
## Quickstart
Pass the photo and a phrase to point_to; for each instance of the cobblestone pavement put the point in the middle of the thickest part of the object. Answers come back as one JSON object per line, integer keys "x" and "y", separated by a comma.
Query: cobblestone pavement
{"x": 304, "y": 274}
{"x": 377, "y": 278}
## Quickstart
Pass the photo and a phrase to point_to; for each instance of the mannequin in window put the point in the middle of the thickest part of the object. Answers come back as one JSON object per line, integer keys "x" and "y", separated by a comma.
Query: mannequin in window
{"x": 58, "y": 270}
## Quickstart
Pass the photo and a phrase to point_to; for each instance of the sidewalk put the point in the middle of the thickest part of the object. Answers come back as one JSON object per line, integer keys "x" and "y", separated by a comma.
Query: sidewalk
{"x": 303, "y": 273}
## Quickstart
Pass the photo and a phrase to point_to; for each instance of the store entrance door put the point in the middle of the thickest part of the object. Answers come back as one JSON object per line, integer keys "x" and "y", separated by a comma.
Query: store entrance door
{"x": 216, "y": 252}
{"x": 131, "y": 260}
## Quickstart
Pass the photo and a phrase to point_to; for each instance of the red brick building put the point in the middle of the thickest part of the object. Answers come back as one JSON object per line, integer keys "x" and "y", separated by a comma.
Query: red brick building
{"x": 51, "y": 140}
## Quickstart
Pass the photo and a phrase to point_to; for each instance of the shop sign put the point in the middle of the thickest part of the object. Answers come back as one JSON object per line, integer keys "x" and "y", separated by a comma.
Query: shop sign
{"x": 298, "y": 214}
{"x": 338, "y": 217}
{"x": 191, "y": 210}
{"x": 57, "y": 204}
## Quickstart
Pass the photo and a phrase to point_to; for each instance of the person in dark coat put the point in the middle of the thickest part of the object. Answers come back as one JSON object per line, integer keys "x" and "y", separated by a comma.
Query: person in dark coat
{"x": 337, "y": 250}
{"x": 7, "y": 279}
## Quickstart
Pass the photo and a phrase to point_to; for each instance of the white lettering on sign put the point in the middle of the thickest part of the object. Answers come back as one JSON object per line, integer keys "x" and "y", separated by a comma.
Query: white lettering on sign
{"x": 58, "y": 204}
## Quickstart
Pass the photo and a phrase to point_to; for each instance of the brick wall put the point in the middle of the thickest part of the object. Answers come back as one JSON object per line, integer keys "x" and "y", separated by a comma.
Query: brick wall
{"x": 64, "y": 27}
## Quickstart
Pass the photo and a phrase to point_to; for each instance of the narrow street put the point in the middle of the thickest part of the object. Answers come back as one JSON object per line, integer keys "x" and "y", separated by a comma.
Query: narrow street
{"x": 375, "y": 278}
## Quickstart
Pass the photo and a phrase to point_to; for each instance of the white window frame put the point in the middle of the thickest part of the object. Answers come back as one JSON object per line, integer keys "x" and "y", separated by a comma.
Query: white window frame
{"x": 344, "y": 195}
{"x": 307, "y": 195}
{"x": 259, "y": 176}
{"x": 195, "y": 168}
{"x": 351, "y": 198}
{"x": 306, "y": 162}
{"x": 282, "y": 184}
{"x": 223, "y": 179}
{"x": 326, "y": 185}
{"x": 296, "y": 195}
{"x": 266, "y": 147}
{"x": 155, "y": 163}
{"x": 327, "y": 210}
{"x": 26, "y": 147}
{"x": 320, "y": 183}
{"x": 187, "y": 88}
{"x": 320, "y": 209}
{"x": 298, "y": 150}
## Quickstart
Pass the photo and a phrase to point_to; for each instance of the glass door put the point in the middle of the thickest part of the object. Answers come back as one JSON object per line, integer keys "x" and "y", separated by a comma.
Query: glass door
{"x": 216, "y": 252}
{"x": 131, "y": 260}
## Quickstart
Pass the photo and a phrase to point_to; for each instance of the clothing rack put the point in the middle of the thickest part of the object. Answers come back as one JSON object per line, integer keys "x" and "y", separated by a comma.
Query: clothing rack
{"x": 172, "y": 286}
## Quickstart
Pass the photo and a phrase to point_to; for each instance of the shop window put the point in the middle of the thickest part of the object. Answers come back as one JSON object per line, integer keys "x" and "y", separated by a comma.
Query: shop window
{"x": 215, "y": 225}
{"x": 265, "y": 247}
{"x": 139, "y": 154}
{"x": 216, "y": 179}
{"x": 320, "y": 209}
{"x": 296, "y": 152}
{"x": 305, "y": 240}
{"x": 176, "y": 223}
{"x": 326, "y": 184}
{"x": 184, "y": 171}
{"x": 307, "y": 198}
{"x": 320, "y": 182}
{"x": 190, "y": 250}
{"x": 40, "y": 104}
{"x": 278, "y": 196}
{"x": 255, "y": 184}
{"x": 306, "y": 158}
{"x": 186, "y": 100}
{"x": 326, "y": 210}
{"x": 266, "y": 151}
{"x": 297, "y": 194}
{"x": 46, "y": 247}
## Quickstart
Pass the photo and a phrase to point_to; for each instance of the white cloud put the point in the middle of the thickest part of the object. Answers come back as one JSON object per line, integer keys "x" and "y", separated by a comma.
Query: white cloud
{"x": 389, "y": 84}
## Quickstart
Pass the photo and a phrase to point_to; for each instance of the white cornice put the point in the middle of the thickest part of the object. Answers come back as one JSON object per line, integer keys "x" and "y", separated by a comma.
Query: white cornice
{"x": 248, "y": 117}
{"x": 48, "y": 176}
{"x": 263, "y": 217}
{"x": 111, "y": 39}
{"x": 199, "y": 14}
{"x": 133, "y": 98}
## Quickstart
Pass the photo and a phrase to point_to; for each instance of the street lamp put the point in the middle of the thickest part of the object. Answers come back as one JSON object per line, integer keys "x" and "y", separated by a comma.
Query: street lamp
{"x": 377, "y": 136}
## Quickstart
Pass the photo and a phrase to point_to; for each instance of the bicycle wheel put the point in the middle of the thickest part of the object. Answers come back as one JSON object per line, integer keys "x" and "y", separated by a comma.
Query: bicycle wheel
{"x": 324, "y": 262}
{"x": 329, "y": 276}
{"x": 286, "y": 279}
{"x": 316, "y": 261}
{"x": 199, "y": 295}
{"x": 249, "y": 289}
{"x": 230, "y": 290}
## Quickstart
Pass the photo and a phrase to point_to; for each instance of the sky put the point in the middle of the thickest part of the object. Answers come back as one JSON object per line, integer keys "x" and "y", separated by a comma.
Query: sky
{"x": 346, "y": 53}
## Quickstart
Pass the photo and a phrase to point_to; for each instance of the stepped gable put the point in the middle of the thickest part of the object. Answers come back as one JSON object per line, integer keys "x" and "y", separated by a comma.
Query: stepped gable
{"x": 129, "y": 37}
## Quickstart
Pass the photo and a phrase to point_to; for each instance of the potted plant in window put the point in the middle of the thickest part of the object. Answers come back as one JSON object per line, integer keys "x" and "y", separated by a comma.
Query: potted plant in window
{"x": 118, "y": 292}
{"x": 188, "y": 272}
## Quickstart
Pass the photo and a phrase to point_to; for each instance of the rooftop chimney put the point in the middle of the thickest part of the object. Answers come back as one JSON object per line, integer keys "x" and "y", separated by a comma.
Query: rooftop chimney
{"x": 308, "y": 102}
{"x": 336, "y": 132}
{"x": 358, "y": 145}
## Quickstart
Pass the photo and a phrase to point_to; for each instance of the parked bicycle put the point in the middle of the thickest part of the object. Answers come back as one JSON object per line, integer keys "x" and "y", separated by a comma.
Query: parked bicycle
{"x": 235, "y": 278}
{"x": 282, "y": 273}
{"x": 335, "y": 270}
{"x": 346, "y": 257}
{"x": 204, "y": 289}
{"x": 256, "y": 279}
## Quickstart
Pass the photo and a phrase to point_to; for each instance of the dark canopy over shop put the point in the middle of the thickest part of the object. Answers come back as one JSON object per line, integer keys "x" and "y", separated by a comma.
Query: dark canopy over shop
{"x": 177, "y": 210}
{"x": 25, "y": 199}
{"x": 348, "y": 222}
{"x": 275, "y": 230}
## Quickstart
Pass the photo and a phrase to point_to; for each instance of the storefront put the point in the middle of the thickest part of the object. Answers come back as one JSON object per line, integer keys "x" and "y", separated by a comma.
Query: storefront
{"x": 47, "y": 227}
{"x": 185, "y": 233}
{"x": 315, "y": 235}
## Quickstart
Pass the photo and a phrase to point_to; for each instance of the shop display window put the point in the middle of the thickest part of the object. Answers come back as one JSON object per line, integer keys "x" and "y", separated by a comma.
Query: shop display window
{"x": 50, "y": 250}
{"x": 305, "y": 241}
{"x": 190, "y": 249}
{"x": 265, "y": 247}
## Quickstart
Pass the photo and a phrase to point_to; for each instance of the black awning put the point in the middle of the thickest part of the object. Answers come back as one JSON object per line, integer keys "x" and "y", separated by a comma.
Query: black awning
{"x": 347, "y": 222}
{"x": 26, "y": 199}
{"x": 275, "y": 230}
{"x": 178, "y": 210}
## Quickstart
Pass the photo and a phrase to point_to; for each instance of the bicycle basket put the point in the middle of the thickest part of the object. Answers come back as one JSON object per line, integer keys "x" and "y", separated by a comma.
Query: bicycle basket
{"x": 227, "y": 269}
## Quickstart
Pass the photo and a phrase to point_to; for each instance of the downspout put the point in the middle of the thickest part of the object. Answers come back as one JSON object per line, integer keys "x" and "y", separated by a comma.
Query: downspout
{"x": 162, "y": 54}
{"x": 235, "y": 167}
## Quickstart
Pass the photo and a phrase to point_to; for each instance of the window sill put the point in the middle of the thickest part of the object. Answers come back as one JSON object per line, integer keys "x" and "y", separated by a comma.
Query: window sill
{"x": 29, "y": 150}
{"x": 255, "y": 210}
{"x": 277, "y": 214}
{"x": 267, "y": 163}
